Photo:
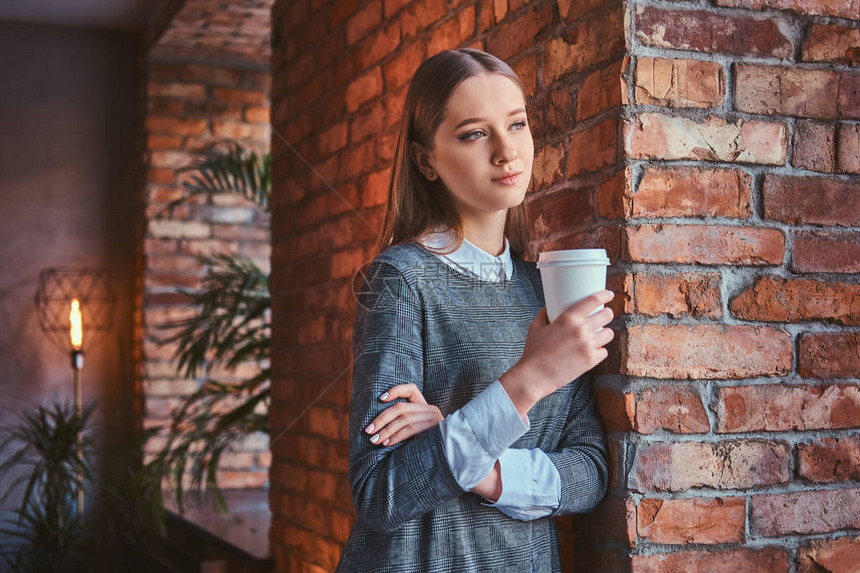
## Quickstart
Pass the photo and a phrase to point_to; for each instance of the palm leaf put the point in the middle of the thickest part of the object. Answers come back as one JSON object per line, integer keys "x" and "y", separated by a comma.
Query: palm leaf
{"x": 230, "y": 326}
{"x": 233, "y": 170}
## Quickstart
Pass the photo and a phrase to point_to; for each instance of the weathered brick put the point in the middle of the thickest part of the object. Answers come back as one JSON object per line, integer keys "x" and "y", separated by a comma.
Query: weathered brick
{"x": 375, "y": 191}
{"x": 603, "y": 237}
{"x": 614, "y": 197}
{"x": 830, "y": 459}
{"x": 212, "y": 75}
{"x": 770, "y": 559}
{"x": 354, "y": 160}
{"x": 829, "y": 355}
{"x": 704, "y": 245}
{"x": 832, "y": 43}
{"x": 584, "y": 45}
{"x": 600, "y": 91}
{"x": 616, "y": 409}
{"x": 678, "y": 410}
{"x": 454, "y": 32}
{"x": 779, "y": 90}
{"x": 166, "y": 228}
{"x": 486, "y": 15}
{"x": 379, "y": 44}
{"x": 500, "y": 9}
{"x": 341, "y": 523}
{"x": 848, "y": 159}
{"x": 811, "y": 200}
{"x": 736, "y": 464}
{"x": 257, "y": 114}
{"x": 704, "y": 31}
{"x": 682, "y": 521}
{"x": 679, "y": 83}
{"x": 814, "y": 146}
{"x": 622, "y": 285}
{"x": 843, "y": 8}
{"x": 174, "y": 126}
{"x": 562, "y": 210}
{"x": 826, "y": 251}
{"x": 515, "y": 35}
{"x": 842, "y": 554}
{"x": 548, "y": 166}
{"x": 334, "y": 138}
{"x": 166, "y": 107}
{"x": 573, "y": 10}
{"x": 657, "y": 136}
{"x": 593, "y": 148}
{"x": 420, "y": 15}
{"x": 233, "y": 95}
{"x": 676, "y": 295}
{"x": 707, "y": 351}
{"x": 526, "y": 69}
{"x": 364, "y": 89}
{"x": 805, "y": 512}
{"x": 239, "y": 130}
{"x": 778, "y": 408}
{"x": 176, "y": 90}
{"x": 848, "y": 105}
{"x": 392, "y": 6}
{"x": 345, "y": 263}
{"x": 691, "y": 192}
{"x": 553, "y": 108}
{"x": 164, "y": 142}
{"x": 401, "y": 67}
{"x": 367, "y": 18}
{"x": 775, "y": 299}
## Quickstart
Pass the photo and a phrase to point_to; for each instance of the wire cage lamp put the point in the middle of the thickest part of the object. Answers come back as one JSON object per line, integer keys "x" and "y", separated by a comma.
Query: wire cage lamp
{"x": 75, "y": 307}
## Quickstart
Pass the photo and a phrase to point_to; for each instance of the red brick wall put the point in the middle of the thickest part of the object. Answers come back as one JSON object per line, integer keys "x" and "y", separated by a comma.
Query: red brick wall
{"x": 189, "y": 107}
{"x": 724, "y": 188}
{"x": 340, "y": 74}
{"x": 740, "y": 405}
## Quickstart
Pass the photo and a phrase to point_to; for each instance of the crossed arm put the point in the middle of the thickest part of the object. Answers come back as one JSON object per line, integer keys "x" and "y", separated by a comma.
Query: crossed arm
{"x": 404, "y": 472}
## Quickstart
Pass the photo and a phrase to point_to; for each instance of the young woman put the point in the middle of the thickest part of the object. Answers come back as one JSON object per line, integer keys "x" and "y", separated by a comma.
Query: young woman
{"x": 472, "y": 421}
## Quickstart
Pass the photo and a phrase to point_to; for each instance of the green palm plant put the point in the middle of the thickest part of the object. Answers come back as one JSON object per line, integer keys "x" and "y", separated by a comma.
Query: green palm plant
{"x": 231, "y": 326}
{"x": 46, "y": 533}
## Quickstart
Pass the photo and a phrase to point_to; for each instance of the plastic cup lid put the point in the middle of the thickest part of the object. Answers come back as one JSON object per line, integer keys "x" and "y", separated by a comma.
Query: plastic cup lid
{"x": 575, "y": 256}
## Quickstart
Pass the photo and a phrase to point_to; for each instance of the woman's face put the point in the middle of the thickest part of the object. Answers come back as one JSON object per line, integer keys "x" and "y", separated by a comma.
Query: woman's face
{"x": 483, "y": 139}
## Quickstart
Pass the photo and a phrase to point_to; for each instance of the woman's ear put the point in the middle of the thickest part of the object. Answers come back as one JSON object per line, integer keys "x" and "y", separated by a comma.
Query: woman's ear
{"x": 423, "y": 160}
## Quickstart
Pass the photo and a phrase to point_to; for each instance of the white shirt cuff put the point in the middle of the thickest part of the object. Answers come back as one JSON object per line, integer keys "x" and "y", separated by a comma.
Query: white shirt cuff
{"x": 531, "y": 485}
{"x": 477, "y": 434}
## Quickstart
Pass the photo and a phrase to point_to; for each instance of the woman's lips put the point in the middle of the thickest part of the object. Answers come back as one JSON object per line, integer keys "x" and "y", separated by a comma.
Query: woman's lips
{"x": 509, "y": 180}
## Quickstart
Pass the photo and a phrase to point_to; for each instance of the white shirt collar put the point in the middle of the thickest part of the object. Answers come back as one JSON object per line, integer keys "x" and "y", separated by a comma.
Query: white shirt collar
{"x": 471, "y": 259}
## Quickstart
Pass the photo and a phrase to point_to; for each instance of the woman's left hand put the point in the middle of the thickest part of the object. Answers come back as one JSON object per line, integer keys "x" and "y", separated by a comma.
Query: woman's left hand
{"x": 405, "y": 419}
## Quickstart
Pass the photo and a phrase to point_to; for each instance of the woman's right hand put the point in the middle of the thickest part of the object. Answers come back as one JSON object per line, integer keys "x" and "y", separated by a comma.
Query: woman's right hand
{"x": 558, "y": 352}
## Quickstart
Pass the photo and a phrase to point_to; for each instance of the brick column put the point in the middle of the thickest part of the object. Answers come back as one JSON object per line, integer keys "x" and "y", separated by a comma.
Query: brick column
{"x": 740, "y": 402}
{"x": 189, "y": 107}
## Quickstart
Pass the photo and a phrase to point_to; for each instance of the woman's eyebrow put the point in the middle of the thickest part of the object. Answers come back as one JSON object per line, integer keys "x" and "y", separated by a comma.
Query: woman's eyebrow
{"x": 480, "y": 119}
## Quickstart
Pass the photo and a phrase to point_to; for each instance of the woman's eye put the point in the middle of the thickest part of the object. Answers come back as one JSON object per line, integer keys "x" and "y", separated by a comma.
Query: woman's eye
{"x": 468, "y": 136}
{"x": 522, "y": 125}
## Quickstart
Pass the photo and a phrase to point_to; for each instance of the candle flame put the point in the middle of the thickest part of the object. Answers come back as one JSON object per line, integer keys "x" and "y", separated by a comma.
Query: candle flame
{"x": 77, "y": 332}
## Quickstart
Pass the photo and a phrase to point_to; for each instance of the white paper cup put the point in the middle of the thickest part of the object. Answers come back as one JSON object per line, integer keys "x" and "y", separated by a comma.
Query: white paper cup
{"x": 571, "y": 275}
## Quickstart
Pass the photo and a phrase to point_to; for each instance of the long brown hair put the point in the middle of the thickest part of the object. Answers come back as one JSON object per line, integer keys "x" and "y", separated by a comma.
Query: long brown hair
{"x": 415, "y": 204}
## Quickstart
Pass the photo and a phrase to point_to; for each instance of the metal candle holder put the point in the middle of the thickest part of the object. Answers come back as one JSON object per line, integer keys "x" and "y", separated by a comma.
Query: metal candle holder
{"x": 58, "y": 287}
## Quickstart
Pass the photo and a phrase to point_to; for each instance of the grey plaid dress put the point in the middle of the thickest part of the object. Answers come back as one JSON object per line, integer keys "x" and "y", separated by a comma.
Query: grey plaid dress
{"x": 420, "y": 321}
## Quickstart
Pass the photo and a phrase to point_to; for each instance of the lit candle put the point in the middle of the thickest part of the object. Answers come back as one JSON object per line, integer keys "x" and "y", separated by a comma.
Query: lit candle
{"x": 77, "y": 331}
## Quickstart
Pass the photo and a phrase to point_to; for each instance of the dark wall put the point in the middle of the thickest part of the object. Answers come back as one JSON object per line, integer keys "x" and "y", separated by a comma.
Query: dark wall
{"x": 68, "y": 187}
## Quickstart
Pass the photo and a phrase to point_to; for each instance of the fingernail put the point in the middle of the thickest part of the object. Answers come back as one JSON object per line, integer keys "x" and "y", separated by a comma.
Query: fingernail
{"x": 369, "y": 429}
{"x": 384, "y": 396}
{"x": 375, "y": 438}
{"x": 385, "y": 443}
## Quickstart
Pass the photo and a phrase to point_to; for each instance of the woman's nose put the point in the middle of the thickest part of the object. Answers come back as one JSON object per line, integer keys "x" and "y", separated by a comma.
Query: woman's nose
{"x": 505, "y": 150}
